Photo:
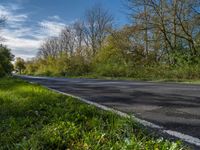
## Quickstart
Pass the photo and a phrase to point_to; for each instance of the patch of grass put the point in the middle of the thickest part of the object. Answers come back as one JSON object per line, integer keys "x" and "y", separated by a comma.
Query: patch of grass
{"x": 94, "y": 76}
{"x": 32, "y": 117}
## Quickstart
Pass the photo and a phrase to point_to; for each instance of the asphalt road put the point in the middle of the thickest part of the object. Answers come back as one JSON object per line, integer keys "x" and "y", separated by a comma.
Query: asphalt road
{"x": 174, "y": 106}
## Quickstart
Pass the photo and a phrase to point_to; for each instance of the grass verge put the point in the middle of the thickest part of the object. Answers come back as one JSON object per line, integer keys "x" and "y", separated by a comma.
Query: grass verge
{"x": 184, "y": 81}
{"x": 32, "y": 117}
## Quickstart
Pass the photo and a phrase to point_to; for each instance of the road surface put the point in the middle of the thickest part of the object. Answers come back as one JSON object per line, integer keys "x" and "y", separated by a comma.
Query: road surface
{"x": 174, "y": 106}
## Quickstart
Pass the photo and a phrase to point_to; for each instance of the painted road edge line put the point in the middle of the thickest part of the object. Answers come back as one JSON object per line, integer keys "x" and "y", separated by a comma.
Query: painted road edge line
{"x": 143, "y": 122}
{"x": 183, "y": 137}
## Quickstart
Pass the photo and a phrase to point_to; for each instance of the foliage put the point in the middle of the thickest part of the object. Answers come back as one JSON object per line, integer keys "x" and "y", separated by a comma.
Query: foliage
{"x": 111, "y": 62}
{"x": 35, "y": 118}
{"x": 63, "y": 65}
{"x": 162, "y": 42}
{"x": 6, "y": 57}
{"x": 19, "y": 65}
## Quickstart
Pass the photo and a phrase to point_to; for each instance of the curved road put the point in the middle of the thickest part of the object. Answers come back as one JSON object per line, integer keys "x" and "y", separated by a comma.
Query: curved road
{"x": 174, "y": 106}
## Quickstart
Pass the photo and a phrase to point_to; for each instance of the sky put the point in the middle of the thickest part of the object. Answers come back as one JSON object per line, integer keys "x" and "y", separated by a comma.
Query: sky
{"x": 29, "y": 22}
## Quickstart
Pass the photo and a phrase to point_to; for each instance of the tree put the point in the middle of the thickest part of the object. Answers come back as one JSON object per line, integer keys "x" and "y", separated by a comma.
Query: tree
{"x": 6, "y": 57}
{"x": 68, "y": 40}
{"x": 79, "y": 28}
{"x": 49, "y": 48}
{"x": 20, "y": 65}
{"x": 98, "y": 23}
{"x": 170, "y": 24}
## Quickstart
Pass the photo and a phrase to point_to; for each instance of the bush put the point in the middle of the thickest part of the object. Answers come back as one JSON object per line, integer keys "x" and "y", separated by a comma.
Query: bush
{"x": 111, "y": 62}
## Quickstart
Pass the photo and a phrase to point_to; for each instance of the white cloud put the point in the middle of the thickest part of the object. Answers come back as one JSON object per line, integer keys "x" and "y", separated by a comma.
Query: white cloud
{"x": 11, "y": 17}
{"x": 55, "y": 17}
{"x": 15, "y": 42}
{"x": 51, "y": 28}
{"x": 21, "y": 46}
{"x": 25, "y": 40}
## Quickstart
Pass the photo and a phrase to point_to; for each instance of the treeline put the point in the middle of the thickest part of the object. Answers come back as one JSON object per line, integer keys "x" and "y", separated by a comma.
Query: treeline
{"x": 163, "y": 41}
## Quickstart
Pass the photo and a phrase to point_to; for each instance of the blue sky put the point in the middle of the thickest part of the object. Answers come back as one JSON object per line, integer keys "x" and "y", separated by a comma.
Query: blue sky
{"x": 31, "y": 21}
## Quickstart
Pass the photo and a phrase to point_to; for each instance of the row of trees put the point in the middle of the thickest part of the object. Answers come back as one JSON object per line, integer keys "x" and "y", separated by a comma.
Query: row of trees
{"x": 89, "y": 34}
{"x": 77, "y": 44}
{"x": 163, "y": 35}
{"x": 169, "y": 26}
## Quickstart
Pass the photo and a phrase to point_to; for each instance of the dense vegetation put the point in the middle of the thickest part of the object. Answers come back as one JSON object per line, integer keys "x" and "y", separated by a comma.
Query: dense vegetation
{"x": 6, "y": 57}
{"x": 19, "y": 65}
{"x": 32, "y": 117}
{"x": 162, "y": 42}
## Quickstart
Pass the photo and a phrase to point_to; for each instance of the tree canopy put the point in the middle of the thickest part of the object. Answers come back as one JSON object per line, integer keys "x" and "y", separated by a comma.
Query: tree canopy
{"x": 162, "y": 40}
{"x": 6, "y": 57}
{"x": 19, "y": 65}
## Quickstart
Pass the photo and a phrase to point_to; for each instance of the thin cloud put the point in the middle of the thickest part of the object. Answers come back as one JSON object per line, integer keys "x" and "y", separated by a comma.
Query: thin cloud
{"x": 23, "y": 40}
{"x": 55, "y": 17}
{"x": 15, "y": 42}
{"x": 51, "y": 28}
{"x": 8, "y": 12}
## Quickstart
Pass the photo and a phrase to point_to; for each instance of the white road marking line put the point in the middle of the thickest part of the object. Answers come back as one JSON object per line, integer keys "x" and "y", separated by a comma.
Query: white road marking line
{"x": 148, "y": 124}
{"x": 183, "y": 137}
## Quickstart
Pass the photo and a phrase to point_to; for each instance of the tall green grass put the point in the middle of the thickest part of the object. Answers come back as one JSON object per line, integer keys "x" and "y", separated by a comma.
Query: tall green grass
{"x": 32, "y": 117}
